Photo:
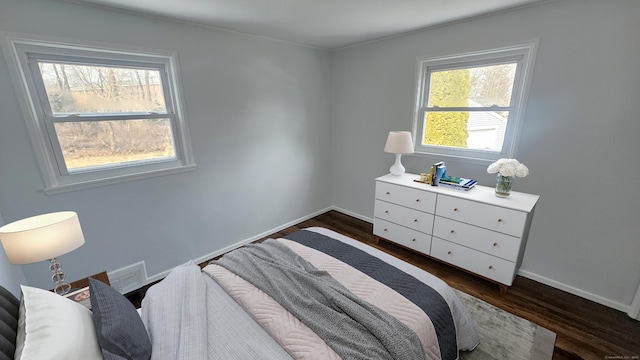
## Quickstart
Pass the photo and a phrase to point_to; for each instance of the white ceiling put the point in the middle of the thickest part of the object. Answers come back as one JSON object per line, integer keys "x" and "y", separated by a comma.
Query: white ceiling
{"x": 327, "y": 24}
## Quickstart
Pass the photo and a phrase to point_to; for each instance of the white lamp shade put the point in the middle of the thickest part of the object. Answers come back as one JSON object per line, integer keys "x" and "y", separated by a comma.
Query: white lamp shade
{"x": 41, "y": 237}
{"x": 399, "y": 142}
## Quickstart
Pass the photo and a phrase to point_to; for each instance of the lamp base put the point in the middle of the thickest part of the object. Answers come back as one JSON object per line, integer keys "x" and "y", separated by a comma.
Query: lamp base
{"x": 58, "y": 277}
{"x": 397, "y": 169}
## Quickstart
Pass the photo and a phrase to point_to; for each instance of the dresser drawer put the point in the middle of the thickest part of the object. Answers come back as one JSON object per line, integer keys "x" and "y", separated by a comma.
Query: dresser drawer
{"x": 402, "y": 195}
{"x": 401, "y": 215}
{"x": 487, "y": 241}
{"x": 490, "y": 217}
{"x": 482, "y": 264}
{"x": 404, "y": 236}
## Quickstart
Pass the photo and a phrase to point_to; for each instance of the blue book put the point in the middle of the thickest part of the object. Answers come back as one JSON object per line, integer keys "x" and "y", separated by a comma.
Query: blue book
{"x": 439, "y": 171}
{"x": 458, "y": 183}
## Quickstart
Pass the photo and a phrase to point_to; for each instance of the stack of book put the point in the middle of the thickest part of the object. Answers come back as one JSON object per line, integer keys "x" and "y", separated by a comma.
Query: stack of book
{"x": 457, "y": 183}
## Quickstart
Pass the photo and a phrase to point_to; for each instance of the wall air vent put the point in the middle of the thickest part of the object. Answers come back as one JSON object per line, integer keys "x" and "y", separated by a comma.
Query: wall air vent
{"x": 128, "y": 278}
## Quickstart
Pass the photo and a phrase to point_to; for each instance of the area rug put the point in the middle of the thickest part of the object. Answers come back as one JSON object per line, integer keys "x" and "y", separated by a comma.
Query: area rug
{"x": 504, "y": 335}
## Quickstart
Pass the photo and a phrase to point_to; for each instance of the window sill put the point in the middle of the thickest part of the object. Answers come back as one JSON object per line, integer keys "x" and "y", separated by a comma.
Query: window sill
{"x": 469, "y": 159}
{"x": 63, "y": 188}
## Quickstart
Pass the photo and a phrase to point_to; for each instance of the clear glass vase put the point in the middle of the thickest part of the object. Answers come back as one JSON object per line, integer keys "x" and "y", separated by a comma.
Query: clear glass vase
{"x": 504, "y": 185}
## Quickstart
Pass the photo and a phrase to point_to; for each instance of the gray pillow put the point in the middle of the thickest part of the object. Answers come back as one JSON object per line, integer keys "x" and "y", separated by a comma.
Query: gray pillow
{"x": 9, "y": 306}
{"x": 119, "y": 328}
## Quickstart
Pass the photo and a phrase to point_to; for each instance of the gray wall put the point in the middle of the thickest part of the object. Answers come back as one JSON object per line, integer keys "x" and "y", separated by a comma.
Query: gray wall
{"x": 259, "y": 115}
{"x": 579, "y": 139}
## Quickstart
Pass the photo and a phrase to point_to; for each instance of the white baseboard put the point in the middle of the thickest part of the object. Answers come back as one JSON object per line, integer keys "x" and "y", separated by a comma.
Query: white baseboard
{"x": 347, "y": 212}
{"x": 575, "y": 291}
{"x": 634, "y": 308}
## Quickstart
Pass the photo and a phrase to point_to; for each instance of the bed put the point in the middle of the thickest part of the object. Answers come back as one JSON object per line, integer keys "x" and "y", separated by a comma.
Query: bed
{"x": 314, "y": 294}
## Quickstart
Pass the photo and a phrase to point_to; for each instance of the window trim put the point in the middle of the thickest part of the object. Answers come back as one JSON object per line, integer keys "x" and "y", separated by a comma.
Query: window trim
{"x": 524, "y": 53}
{"x": 56, "y": 179}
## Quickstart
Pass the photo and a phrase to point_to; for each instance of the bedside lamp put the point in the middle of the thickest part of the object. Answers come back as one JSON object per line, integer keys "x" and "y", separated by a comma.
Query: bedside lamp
{"x": 43, "y": 237}
{"x": 398, "y": 142}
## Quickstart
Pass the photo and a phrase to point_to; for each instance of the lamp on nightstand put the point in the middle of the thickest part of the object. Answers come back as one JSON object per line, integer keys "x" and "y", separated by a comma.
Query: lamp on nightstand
{"x": 43, "y": 237}
{"x": 398, "y": 142}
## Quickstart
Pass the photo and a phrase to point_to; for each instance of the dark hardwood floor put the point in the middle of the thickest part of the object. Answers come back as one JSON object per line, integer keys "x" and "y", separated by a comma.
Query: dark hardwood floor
{"x": 585, "y": 329}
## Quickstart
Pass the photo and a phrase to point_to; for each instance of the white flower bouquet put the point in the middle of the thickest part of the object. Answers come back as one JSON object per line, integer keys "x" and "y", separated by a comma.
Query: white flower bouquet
{"x": 508, "y": 167}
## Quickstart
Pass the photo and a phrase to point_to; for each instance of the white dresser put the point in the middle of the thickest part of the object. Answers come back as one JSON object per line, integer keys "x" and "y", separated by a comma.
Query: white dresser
{"x": 474, "y": 230}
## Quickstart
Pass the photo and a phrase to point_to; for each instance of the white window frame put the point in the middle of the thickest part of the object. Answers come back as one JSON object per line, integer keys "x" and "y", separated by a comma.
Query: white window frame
{"x": 22, "y": 53}
{"x": 523, "y": 54}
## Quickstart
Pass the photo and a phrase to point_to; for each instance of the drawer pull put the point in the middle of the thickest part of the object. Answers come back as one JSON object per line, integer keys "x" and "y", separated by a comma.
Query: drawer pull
{"x": 386, "y": 211}
{"x": 449, "y": 253}
{"x": 499, "y": 220}
{"x": 453, "y": 231}
{"x": 490, "y": 267}
{"x": 415, "y": 220}
{"x": 417, "y": 200}
{"x": 414, "y": 240}
{"x": 388, "y": 193}
{"x": 495, "y": 244}
{"x": 385, "y": 229}
{"x": 455, "y": 209}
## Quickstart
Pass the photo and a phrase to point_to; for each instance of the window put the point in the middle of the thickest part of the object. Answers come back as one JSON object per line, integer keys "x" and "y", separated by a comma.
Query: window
{"x": 99, "y": 115}
{"x": 470, "y": 105}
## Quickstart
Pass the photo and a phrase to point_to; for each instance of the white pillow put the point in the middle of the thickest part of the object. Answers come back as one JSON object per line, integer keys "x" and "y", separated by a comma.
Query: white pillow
{"x": 51, "y": 326}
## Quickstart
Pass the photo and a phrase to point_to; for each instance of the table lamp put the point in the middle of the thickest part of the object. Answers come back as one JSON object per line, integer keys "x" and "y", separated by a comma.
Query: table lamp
{"x": 43, "y": 237}
{"x": 398, "y": 142}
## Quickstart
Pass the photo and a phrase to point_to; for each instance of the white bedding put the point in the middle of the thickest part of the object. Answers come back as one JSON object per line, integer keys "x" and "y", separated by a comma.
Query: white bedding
{"x": 185, "y": 322}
